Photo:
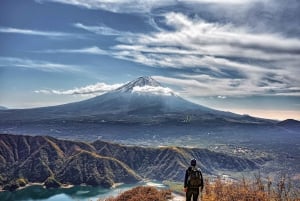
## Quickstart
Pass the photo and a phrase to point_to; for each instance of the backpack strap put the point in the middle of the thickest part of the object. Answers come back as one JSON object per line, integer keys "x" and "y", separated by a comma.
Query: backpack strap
{"x": 202, "y": 182}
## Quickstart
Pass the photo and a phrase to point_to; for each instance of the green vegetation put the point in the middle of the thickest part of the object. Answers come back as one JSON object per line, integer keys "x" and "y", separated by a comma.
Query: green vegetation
{"x": 15, "y": 184}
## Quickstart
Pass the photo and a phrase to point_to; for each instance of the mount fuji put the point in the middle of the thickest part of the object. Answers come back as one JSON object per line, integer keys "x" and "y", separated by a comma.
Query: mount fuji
{"x": 143, "y": 96}
{"x": 141, "y": 100}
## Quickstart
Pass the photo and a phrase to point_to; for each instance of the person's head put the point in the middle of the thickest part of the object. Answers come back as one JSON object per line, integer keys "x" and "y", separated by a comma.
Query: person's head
{"x": 193, "y": 162}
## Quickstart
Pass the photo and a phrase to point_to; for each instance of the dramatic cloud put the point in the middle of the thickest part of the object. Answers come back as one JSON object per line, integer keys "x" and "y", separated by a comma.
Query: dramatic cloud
{"x": 240, "y": 61}
{"x": 204, "y": 85}
{"x": 154, "y": 90}
{"x": 50, "y": 34}
{"x": 207, "y": 56}
{"x": 95, "y": 89}
{"x": 118, "y": 6}
{"x": 197, "y": 37}
{"x": 218, "y": 58}
{"x": 37, "y": 65}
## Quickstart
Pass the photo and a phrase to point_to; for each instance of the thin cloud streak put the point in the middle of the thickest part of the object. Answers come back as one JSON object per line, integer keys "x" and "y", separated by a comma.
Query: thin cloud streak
{"x": 204, "y": 85}
{"x": 88, "y": 50}
{"x": 139, "y": 6}
{"x": 95, "y": 89}
{"x": 37, "y": 65}
{"x": 51, "y": 34}
{"x": 207, "y": 86}
{"x": 101, "y": 30}
{"x": 117, "y": 6}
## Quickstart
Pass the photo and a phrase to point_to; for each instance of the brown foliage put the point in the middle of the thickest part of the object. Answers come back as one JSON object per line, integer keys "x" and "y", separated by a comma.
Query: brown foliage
{"x": 256, "y": 190}
{"x": 143, "y": 193}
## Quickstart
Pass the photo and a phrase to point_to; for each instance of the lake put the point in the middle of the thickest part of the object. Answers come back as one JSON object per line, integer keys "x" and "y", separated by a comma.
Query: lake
{"x": 82, "y": 193}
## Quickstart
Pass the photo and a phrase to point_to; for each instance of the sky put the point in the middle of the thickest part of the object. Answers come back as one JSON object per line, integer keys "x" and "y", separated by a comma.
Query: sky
{"x": 241, "y": 56}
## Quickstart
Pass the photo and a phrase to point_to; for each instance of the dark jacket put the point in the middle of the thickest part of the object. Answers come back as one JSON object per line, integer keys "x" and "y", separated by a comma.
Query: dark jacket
{"x": 187, "y": 172}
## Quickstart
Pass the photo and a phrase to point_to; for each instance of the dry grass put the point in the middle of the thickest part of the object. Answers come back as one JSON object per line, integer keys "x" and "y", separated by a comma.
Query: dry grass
{"x": 142, "y": 193}
{"x": 256, "y": 189}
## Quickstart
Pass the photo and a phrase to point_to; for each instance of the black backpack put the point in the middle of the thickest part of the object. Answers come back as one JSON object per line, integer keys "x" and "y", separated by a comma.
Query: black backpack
{"x": 195, "y": 178}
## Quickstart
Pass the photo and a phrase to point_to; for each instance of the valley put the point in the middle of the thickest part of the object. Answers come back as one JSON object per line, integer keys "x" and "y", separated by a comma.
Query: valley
{"x": 100, "y": 163}
{"x": 279, "y": 152}
{"x": 144, "y": 127}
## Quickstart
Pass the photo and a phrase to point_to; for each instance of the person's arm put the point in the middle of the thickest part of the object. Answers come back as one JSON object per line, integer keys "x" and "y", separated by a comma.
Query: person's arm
{"x": 201, "y": 188}
{"x": 186, "y": 180}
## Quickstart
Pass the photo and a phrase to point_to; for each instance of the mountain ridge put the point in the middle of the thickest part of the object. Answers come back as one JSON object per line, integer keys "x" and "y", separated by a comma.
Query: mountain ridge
{"x": 38, "y": 158}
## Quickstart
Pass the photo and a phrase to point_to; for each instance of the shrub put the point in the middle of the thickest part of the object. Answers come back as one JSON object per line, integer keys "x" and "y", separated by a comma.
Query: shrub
{"x": 246, "y": 190}
{"x": 15, "y": 184}
{"x": 256, "y": 189}
{"x": 22, "y": 182}
{"x": 143, "y": 193}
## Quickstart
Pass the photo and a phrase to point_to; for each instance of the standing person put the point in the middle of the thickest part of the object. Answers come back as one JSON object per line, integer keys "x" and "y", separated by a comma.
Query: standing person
{"x": 193, "y": 181}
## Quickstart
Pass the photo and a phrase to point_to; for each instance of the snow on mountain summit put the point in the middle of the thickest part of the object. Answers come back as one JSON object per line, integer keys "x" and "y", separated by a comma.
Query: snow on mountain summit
{"x": 141, "y": 81}
{"x": 146, "y": 84}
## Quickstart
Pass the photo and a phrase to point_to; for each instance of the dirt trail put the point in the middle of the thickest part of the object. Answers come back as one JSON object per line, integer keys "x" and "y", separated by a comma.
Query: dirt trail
{"x": 177, "y": 197}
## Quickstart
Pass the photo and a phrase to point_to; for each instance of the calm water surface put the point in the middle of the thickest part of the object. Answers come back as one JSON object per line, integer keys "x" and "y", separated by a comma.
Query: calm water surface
{"x": 82, "y": 193}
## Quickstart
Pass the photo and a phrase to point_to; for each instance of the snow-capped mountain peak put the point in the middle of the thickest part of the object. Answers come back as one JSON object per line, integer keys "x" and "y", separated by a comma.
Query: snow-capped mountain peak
{"x": 139, "y": 82}
{"x": 145, "y": 84}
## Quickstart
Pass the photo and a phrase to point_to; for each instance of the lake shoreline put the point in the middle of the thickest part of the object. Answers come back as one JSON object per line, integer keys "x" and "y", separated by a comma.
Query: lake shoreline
{"x": 37, "y": 191}
{"x": 63, "y": 186}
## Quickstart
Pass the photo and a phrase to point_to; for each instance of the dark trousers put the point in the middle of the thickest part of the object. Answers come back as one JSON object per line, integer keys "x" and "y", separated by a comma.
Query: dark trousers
{"x": 192, "y": 192}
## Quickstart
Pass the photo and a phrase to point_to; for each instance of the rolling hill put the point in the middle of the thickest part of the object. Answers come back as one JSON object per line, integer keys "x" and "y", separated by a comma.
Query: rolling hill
{"x": 40, "y": 158}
